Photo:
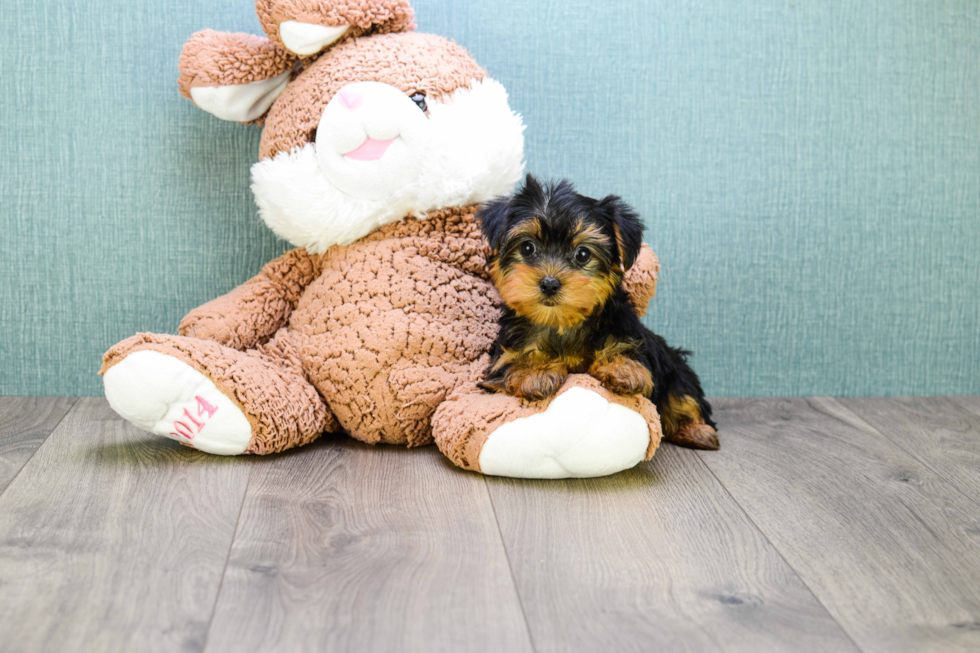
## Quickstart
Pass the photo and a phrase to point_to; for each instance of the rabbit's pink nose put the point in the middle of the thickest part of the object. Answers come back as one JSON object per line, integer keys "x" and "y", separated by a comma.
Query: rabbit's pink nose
{"x": 351, "y": 99}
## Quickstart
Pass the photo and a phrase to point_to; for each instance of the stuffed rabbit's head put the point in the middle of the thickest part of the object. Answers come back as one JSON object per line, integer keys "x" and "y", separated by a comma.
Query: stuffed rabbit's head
{"x": 306, "y": 27}
{"x": 367, "y": 131}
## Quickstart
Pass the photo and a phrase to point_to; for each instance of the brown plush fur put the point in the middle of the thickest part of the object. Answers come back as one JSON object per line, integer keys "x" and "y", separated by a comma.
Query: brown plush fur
{"x": 267, "y": 383}
{"x": 364, "y": 16}
{"x": 380, "y": 333}
{"x": 465, "y": 420}
{"x": 211, "y": 58}
{"x": 409, "y": 61}
{"x": 640, "y": 283}
{"x": 370, "y": 338}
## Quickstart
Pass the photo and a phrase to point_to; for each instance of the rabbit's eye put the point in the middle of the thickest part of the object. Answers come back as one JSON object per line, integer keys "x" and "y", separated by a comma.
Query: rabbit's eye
{"x": 419, "y": 100}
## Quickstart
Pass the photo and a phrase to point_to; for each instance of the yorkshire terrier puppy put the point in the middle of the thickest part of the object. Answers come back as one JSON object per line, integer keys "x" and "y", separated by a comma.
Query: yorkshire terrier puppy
{"x": 558, "y": 261}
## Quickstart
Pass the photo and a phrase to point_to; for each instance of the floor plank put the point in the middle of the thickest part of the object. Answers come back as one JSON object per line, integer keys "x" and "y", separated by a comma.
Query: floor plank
{"x": 347, "y": 547}
{"x": 656, "y": 558}
{"x": 24, "y": 424}
{"x": 114, "y": 540}
{"x": 937, "y": 431}
{"x": 969, "y": 402}
{"x": 890, "y": 548}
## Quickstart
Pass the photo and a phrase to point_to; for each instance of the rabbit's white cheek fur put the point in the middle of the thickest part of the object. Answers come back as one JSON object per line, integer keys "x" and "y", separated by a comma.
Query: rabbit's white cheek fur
{"x": 379, "y": 159}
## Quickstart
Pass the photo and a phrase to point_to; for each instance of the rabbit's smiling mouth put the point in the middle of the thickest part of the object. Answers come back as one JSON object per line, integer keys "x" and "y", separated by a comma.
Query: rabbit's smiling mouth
{"x": 383, "y": 159}
{"x": 370, "y": 138}
{"x": 370, "y": 150}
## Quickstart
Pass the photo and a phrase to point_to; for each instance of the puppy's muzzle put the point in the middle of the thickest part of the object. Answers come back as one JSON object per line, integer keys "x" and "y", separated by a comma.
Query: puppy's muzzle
{"x": 550, "y": 286}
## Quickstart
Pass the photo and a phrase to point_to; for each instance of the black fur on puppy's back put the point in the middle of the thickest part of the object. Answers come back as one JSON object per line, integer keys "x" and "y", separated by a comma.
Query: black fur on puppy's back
{"x": 670, "y": 366}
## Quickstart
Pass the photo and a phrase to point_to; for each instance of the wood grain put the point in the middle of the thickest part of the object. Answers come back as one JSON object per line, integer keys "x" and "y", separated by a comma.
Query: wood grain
{"x": 347, "y": 547}
{"x": 969, "y": 402}
{"x": 819, "y": 524}
{"x": 114, "y": 540}
{"x": 656, "y": 558}
{"x": 24, "y": 424}
{"x": 889, "y": 547}
{"x": 937, "y": 431}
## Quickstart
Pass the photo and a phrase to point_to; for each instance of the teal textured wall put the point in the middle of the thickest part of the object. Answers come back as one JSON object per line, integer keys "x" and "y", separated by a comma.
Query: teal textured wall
{"x": 809, "y": 173}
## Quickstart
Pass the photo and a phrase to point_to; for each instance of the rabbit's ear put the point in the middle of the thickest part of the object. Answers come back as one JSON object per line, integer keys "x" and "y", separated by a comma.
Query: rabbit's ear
{"x": 235, "y": 77}
{"x": 306, "y": 28}
{"x": 306, "y": 39}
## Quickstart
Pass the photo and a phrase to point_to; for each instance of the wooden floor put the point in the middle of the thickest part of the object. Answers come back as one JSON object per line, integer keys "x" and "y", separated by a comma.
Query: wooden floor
{"x": 821, "y": 525}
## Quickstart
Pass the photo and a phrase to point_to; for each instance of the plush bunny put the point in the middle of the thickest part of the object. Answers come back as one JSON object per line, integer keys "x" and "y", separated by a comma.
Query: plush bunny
{"x": 379, "y": 144}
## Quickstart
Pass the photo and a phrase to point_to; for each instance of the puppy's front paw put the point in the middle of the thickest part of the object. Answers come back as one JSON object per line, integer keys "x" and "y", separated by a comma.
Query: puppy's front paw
{"x": 623, "y": 376}
{"x": 493, "y": 386}
{"x": 535, "y": 384}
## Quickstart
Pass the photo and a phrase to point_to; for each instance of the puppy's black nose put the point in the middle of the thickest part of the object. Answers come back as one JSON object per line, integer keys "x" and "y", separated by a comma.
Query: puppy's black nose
{"x": 550, "y": 285}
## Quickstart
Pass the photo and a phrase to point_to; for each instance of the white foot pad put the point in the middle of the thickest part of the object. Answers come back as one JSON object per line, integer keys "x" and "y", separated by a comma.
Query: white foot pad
{"x": 162, "y": 395}
{"x": 579, "y": 435}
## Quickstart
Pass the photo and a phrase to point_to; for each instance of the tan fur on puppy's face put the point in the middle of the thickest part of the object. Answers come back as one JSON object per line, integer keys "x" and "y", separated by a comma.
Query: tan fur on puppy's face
{"x": 583, "y": 289}
{"x": 579, "y": 296}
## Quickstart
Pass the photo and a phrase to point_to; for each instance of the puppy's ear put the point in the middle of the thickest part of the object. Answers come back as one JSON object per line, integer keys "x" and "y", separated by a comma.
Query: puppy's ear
{"x": 531, "y": 187}
{"x": 494, "y": 218}
{"x": 627, "y": 226}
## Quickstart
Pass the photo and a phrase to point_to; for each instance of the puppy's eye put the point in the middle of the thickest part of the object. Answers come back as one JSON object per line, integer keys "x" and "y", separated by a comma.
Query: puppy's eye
{"x": 528, "y": 249}
{"x": 419, "y": 100}
{"x": 582, "y": 255}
